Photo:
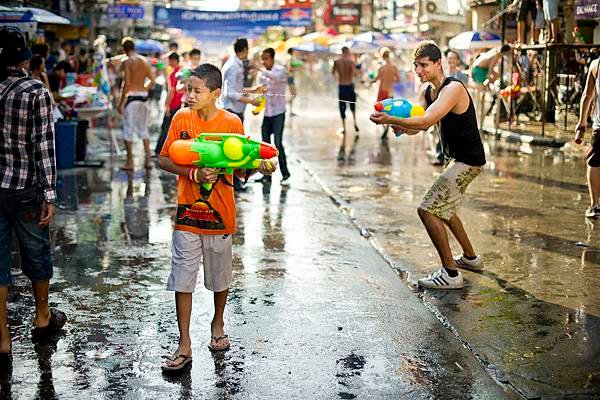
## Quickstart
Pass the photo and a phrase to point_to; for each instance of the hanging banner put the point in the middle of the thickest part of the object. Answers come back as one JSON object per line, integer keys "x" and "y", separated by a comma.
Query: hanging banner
{"x": 240, "y": 20}
{"x": 587, "y": 9}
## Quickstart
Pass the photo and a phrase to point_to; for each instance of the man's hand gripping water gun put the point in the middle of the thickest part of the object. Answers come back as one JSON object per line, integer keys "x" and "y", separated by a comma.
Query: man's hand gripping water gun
{"x": 398, "y": 108}
{"x": 226, "y": 152}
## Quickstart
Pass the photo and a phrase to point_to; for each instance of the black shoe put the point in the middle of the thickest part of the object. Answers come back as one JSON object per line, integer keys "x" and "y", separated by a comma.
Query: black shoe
{"x": 341, "y": 154}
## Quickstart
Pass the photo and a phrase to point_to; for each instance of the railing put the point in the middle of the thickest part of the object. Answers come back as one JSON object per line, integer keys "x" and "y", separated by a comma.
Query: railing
{"x": 551, "y": 78}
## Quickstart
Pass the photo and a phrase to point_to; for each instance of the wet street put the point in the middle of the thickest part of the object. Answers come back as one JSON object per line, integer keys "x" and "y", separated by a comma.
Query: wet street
{"x": 323, "y": 304}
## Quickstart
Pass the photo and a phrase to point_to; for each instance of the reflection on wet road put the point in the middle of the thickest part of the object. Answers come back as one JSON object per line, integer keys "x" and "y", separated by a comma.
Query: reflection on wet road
{"x": 312, "y": 312}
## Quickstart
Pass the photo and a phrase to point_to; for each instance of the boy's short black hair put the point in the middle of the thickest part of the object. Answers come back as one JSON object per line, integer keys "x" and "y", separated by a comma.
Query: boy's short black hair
{"x": 195, "y": 52}
{"x": 174, "y": 56}
{"x": 210, "y": 74}
{"x": 270, "y": 51}
{"x": 240, "y": 45}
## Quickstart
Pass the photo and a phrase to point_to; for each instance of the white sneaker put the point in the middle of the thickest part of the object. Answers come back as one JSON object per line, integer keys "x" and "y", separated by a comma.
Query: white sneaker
{"x": 441, "y": 280}
{"x": 472, "y": 265}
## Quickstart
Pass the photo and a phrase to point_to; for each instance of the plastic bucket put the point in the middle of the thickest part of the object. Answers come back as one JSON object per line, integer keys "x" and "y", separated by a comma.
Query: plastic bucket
{"x": 65, "y": 134}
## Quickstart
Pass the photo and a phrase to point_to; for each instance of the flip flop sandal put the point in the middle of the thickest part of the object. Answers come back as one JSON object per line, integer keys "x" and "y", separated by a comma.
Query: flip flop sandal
{"x": 215, "y": 339}
{"x": 177, "y": 367}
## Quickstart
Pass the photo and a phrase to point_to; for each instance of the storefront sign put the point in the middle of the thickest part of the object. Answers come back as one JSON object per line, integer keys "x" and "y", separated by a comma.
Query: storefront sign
{"x": 125, "y": 11}
{"x": 343, "y": 14}
{"x": 587, "y": 9}
{"x": 191, "y": 19}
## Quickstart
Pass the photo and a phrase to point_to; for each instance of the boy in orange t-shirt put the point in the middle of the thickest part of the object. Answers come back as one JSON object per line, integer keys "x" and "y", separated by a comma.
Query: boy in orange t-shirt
{"x": 205, "y": 221}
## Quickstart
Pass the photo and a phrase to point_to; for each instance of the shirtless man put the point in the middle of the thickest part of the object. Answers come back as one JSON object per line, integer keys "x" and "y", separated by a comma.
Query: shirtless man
{"x": 483, "y": 68}
{"x": 387, "y": 75}
{"x": 133, "y": 105}
{"x": 345, "y": 70}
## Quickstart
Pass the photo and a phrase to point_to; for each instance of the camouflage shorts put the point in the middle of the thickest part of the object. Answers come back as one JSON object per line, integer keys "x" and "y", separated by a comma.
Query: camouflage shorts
{"x": 446, "y": 193}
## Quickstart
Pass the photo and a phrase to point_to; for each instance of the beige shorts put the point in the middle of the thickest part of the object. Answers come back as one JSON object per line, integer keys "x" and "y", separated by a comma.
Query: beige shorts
{"x": 189, "y": 250}
{"x": 446, "y": 193}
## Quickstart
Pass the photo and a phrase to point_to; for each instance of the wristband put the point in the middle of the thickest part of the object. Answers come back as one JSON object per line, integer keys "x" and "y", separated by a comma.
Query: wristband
{"x": 192, "y": 175}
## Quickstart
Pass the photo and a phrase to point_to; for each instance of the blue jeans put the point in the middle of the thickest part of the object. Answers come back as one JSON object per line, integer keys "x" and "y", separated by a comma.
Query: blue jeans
{"x": 20, "y": 211}
{"x": 274, "y": 126}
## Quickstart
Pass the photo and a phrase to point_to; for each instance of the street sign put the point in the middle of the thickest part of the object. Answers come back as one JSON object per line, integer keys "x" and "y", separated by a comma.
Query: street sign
{"x": 125, "y": 11}
{"x": 587, "y": 9}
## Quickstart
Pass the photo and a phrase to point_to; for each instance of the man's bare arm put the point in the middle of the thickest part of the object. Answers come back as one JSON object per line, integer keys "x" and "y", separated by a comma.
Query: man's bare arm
{"x": 447, "y": 99}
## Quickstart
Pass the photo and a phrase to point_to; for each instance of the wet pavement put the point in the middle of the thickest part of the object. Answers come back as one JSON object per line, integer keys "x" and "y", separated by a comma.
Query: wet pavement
{"x": 314, "y": 311}
{"x": 533, "y": 317}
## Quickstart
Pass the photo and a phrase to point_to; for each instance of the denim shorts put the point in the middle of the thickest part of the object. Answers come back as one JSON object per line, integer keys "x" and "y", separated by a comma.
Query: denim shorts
{"x": 20, "y": 211}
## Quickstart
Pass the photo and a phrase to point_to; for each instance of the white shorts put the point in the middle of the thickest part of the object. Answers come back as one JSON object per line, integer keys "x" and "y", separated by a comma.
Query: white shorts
{"x": 135, "y": 118}
{"x": 189, "y": 249}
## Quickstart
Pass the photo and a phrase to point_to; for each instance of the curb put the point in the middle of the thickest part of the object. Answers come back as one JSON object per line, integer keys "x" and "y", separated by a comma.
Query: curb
{"x": 514, "y": 137}
{"x": 492, "y": 370}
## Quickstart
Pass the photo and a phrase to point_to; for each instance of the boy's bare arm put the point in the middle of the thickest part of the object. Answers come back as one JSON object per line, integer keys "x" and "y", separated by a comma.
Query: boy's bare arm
{"x": 204, "y": 175}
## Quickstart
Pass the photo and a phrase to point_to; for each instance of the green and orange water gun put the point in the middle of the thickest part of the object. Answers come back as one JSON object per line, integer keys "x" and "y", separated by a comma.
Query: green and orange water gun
{"x": 221, "y": 150}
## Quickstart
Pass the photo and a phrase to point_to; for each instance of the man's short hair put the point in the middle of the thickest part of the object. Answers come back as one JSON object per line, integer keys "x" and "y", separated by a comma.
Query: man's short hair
{"x": 173, "y": 45}
{"x": 345, "y": 50}
{"x": 127, "y": 44}
{"x": 195, "y": 52}
{"x": 174, "y": 56}
{"x": 429, "y": 49}
{"x": 270, "y": 51}
{"x": 64, "y": 65}
{"x": 210, "y": 74}
{"x": 240, "y": 45}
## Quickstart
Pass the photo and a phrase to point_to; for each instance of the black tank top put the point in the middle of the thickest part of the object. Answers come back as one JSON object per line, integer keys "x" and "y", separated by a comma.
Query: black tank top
{"x": 459, "y": 132}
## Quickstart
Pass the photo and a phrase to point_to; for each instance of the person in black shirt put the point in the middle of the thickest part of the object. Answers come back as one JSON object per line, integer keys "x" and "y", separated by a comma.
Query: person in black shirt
{"x": 447, "y": 103}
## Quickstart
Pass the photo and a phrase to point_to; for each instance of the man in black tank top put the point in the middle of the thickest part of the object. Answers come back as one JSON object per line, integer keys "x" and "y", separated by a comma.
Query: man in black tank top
{"x": 449, "y": 105}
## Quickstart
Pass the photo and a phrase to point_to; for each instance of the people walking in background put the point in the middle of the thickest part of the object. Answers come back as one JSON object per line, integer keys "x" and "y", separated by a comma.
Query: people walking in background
{"x": 27, "y": 185}
{"x": 387, "y": 76}
{"x": 345, "y": 71}
{"x": 448, "y": 102}
{"x": 175, "y": 95}
{"x": 37, "y": 70}
{"x": 591, "y": 93}
{"x": 138, "y": 80}
{"x": 293, "y": 65}
{"x": 274, "y": 78}
{"x": 195, "y": 58}
{"x": 205, "y": 223}
{"x": 234, "y": 98}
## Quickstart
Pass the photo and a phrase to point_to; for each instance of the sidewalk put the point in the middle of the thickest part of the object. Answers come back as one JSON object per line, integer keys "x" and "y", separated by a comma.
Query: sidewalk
{"x": 314, "y": 311}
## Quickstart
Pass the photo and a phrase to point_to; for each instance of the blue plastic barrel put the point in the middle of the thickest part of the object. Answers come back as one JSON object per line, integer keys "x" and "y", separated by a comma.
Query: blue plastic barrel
{"x": 66, "y": 133}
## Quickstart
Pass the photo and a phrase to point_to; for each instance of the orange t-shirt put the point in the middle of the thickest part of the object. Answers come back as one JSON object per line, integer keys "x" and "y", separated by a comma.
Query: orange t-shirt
{"x": 209, "y": 213}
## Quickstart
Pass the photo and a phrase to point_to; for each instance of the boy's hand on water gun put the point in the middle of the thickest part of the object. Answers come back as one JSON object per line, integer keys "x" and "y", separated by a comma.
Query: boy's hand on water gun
{"x": 207, "y": 175}
{"x": 380, "y": 118}
{"x": 267, "y": 167}
{"x": 255, "y": 102}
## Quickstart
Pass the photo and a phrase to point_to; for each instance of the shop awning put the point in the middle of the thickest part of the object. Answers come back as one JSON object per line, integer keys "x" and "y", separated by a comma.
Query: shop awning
{"x": 44, "y": 16}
